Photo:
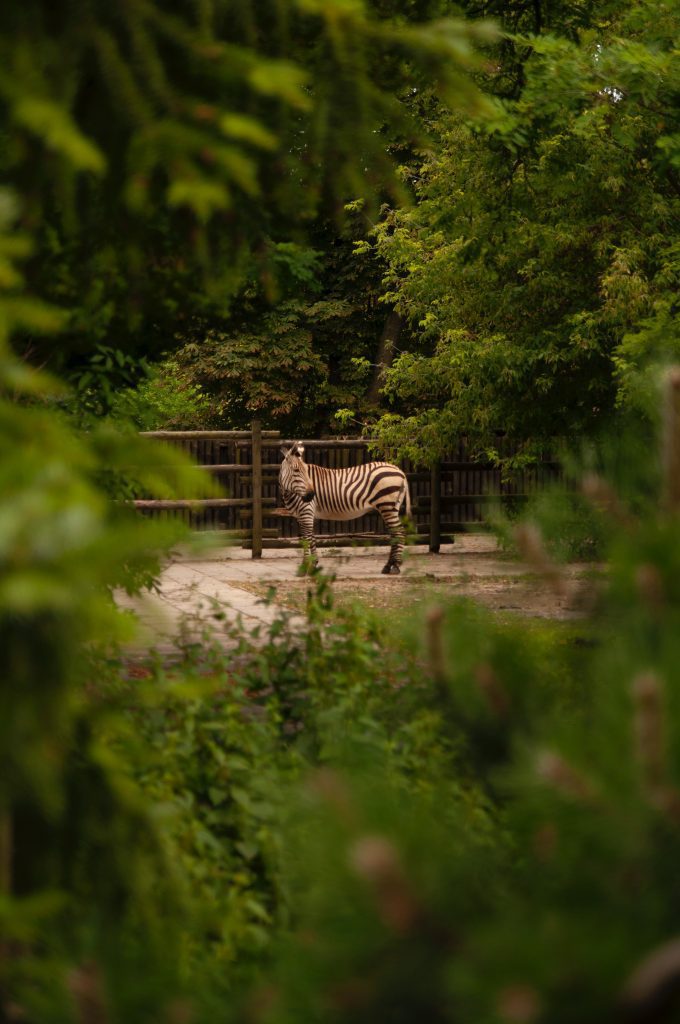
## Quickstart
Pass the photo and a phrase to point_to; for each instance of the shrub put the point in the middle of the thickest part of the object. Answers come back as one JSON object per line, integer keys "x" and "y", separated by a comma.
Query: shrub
{"x": 164, "y": 399}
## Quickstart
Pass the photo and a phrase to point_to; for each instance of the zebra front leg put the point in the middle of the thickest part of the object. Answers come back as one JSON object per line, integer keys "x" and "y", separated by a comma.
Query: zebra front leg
{"x": 305, "y": 521}
{"x": 393, "y": 523}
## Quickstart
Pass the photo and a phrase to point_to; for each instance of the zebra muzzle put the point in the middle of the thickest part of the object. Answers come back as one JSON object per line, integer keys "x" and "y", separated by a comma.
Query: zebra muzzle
{"x": 308, "y": 496}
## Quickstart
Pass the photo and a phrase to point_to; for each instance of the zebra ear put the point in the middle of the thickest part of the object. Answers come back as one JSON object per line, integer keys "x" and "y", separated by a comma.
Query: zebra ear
{"x": 285, "y": 452}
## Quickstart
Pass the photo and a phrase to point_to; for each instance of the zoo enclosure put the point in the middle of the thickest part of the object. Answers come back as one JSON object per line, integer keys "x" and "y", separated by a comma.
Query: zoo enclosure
{"x": 449, "y": 497}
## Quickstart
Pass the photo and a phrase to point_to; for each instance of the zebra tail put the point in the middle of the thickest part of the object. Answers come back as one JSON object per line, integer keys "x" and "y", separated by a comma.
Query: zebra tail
{"x": 407, "y": 497}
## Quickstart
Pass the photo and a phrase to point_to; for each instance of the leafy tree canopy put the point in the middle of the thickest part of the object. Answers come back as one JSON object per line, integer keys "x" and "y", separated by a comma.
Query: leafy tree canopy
{"x": 540, "y": 263}
{"x": 155, "y": 147}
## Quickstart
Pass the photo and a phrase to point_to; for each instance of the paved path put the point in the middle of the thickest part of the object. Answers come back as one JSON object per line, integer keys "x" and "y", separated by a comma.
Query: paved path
{"x": 196, "y": 588}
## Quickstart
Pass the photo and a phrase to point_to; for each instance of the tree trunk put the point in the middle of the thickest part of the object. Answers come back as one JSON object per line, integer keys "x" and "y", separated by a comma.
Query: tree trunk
{"x": 385, "y": 353}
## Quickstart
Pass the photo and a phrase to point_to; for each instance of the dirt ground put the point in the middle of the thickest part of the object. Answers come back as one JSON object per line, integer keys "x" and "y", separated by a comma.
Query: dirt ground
{"x": 202, "y": 579}
{"x": 521, "y": 593}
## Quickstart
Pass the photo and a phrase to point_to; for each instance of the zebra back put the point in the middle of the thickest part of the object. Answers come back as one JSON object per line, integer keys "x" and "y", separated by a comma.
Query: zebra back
{"x": 360, "y": 487}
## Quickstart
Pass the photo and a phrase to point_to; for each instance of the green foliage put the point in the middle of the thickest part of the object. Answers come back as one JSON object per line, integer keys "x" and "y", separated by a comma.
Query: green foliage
{"x": 572, "y": 529}
{"x": 472, "y": 885}
{"x": 618, "y": 475}
{"x": 641, "y": 359}
{"x": 293, "y": 361}
{"x": 539, "y": 266}
{"x": 445, "y": 835}
{"x": 215, "y": 769}
{"x": 238, "y": 370}
{"x": 158, "y": 149}
{"x": 339, "y": 818}
{"x": 164, "y": 400}
{"x": 83, "y": 874}
{"x": 369, "y": 818}
{"x": 97, "y": 387}
{"x": 146, "y": 155}
{"x": 86, "y": 897}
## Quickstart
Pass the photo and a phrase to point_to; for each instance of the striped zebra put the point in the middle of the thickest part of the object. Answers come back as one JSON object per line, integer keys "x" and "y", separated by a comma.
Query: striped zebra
{"x": 314, "y": 492}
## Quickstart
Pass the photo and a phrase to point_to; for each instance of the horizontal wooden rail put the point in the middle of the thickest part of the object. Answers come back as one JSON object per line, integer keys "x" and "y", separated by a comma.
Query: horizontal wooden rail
{"x": 274, "y": 467}
{"x": 268, "y": 443}
{"x": 167, "y": 503}
{"x": 236, "y": 467}
{"x": 267, "y": 512}
{"x": 205, "y": 435}
{"x": 422, "y": 504}
{"x": 349, "y": 540}
{"x": 246, "y": 534}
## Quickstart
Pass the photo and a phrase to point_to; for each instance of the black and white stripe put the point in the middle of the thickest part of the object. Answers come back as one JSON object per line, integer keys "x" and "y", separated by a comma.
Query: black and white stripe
{"x": 314, "y": 492}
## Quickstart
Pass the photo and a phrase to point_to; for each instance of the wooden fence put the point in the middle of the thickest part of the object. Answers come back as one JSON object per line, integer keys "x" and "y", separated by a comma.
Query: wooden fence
{"x": 452, "y": 496}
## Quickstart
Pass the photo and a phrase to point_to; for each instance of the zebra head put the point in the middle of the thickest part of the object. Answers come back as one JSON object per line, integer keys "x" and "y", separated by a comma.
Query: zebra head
{"x": 294, "y": 476}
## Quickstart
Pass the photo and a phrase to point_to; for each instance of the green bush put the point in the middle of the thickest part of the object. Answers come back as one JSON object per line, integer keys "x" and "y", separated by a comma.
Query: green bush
{"x": 572, "y": 528}
{"x": 249, "y": 757}
{"x": 85, "y": 893}
{"x": 449, "y": 818}
{"x": 345, "y": 818}
{"x": 164, "y": 399}
{"x": 496, "y": 839}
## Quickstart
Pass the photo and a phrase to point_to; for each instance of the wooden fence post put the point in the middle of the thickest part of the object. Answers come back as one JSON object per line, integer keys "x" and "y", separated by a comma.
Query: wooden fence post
{"x": 257, "y": 488}
{"x": 435, "y": 506}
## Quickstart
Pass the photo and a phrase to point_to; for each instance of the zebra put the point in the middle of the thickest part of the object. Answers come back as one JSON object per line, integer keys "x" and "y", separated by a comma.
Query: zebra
{"x": 314, "y": 492}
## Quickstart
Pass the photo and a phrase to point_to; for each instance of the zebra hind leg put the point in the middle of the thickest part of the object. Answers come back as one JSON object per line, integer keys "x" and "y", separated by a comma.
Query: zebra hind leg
{"x": 393, "y": 523}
